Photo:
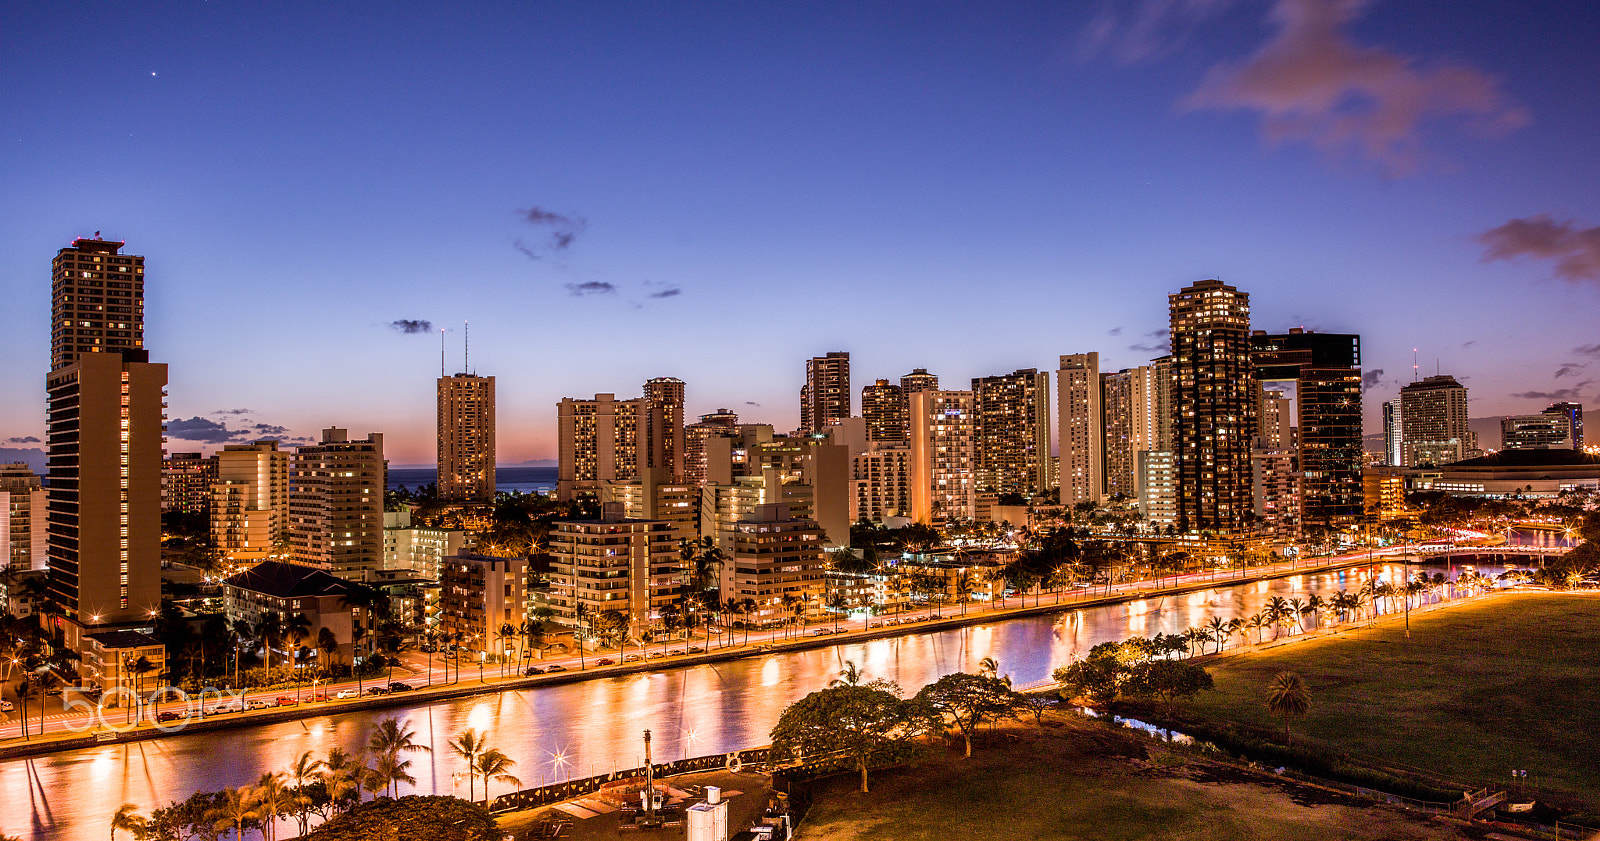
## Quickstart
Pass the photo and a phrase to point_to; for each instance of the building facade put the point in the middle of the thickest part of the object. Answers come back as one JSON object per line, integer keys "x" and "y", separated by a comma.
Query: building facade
{"x": 1083, "y": 433}
{"x": 466, "y": 449}
{"x": 1433, "y": 422}
{"x": 186, "y": 483}
{"x": 1536, "y": 432}
{"x": 291, "y": 589}
{"x": 663, "y": 434}
{"x": 776, "y": 561}
{"x": 1214, "y": 406}
{"x": 943, "y": 428}
{"x": 479, "y": 596}
{"x": 614, "y": 563}
{"x": 720, "y": 423}
{"x": 105, "y": 410}
{"x": 336, "y": 504}
{"x": 883, "y": 407}
{"x": 1326, "y": 371}
{"x": 22, "y": 519}
{"x": 250, "y": 500}
{"x": 881, "y": 483}
{"x": 825, "y": 397}
{"x": 1011, "y": 445}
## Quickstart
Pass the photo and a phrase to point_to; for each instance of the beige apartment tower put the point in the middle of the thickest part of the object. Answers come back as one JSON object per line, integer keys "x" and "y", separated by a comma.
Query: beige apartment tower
{"x": 250, "y": 500}
{"x": 883, "y": 407}
{"x": 23, "y": 509}
{"x": 942, "y": 431}
{"x": 103, "y": 442}
{"x": 825, "y": 397}
{"x": 1081, "y": 446}
{"x": 1011, "y": 447}
{"x": 466, "y": 438}
{"x": 336, "y": 504}
{"x": 663, "y": 433}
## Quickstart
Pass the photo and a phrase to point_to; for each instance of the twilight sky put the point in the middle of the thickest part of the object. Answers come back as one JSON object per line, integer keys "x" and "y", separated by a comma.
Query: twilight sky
{"x": 613, "y": 192}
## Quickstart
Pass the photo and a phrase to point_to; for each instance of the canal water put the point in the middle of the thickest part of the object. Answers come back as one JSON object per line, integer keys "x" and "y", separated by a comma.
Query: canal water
{"x": 595, "y": 726}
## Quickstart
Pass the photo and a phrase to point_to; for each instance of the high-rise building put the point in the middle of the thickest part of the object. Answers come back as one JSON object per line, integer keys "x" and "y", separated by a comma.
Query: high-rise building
{"x": 820, "y": 466}
{"x": 655, "y": 496}
{"x": 1011, "y": 447}
{"x": 1276, "y": 493}
{"x": 23, "y": 508}
{"x": 466, "y": 438}
{"x": 918, "y": 380}
{"x": 1276, "y": 430}
{"x": 772, "y": 554}
{"x": 1434, "y": 428}
{"x": 825, "y": 397}
{"x": 598, "y": 441}
{"x": 1083, "y": 429}
{"x": 1393, "y": 452}
{"x": 613, "y": 563}
{"x": 881, "y": 479}
{"x": 103, "y": 443}
{"x": 943, "y": 426}
{"x": 1134, "y": 402}
{"x": 883, "y": 407}
{"x": 717, "y": 424}
{"x": 1214, "y": 403}
{"x": 1326, "y": 371}
{"x": 663, "y": 435}
{"x": 250, "y": 500}
{"x": 418, "y": 550}
{"x": 1573, "y": 413}
{"x": 1158, "y": 488}
{"x": 336, "y": 504}
{"x": 1535, "y": 432}
{"x": 186, "y": 483}
{"x": 478, "y": 595}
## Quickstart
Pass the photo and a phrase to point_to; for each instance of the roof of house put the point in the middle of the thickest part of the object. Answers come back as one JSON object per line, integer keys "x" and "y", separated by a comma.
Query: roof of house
{"x": 289, "y": 581}
{"x": 123, "y": 639}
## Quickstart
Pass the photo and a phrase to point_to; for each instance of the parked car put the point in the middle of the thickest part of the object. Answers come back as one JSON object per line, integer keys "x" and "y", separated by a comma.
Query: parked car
{"x": 428, "y": 648}
{"x": 675, "y": 652}
{"x": 397, "y": 686}
{"x": 555, "y": 667}
{"x": 167, "y": 715}
{"x": 377, "y": 690}
{"x": 695, "y": 649}
{"x": 605, "y": 661}
{"x": 656, "y": 654}
{"x": 319, "y": 697}
{"x": 630, "y": 658}
{"x": 821, "y": 632}
{"x": 348, "y": 693}
{"x": 531, "y": 671}
{"x": 260, "y": 704}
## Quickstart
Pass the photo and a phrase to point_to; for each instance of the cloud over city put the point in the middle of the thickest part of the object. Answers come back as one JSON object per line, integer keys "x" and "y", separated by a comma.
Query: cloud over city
{"x": 554, "y": 233}
{"x": 411, "y": 326}
{"x": 1312, "y": 82}
{"x": 1574, "y": 250}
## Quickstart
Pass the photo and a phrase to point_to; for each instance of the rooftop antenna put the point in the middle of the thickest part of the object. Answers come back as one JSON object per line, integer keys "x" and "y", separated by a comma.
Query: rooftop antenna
{"x": 1413, "y": 364}
{"x": 466, "y": 347}
{"x": 441, "y": 353}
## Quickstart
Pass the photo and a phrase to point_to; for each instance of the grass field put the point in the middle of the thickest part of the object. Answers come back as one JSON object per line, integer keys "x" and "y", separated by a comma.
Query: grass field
{"x": 1082, "y": 781}
{"x": 1480, "y": 689}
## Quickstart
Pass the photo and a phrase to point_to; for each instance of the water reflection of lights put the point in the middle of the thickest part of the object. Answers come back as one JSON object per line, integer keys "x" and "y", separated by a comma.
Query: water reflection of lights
{"x": 771, "y": 672}
{"x": 480, "y": 717}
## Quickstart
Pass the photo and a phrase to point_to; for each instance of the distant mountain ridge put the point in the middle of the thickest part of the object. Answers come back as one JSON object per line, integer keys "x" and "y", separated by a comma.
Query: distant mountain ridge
{"x": 31, "y": 456}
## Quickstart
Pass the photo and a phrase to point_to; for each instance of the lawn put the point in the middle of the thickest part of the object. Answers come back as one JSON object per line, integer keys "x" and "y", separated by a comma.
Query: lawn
{"x": 1080, "y": 780}
{"x": 1479, "y": 689}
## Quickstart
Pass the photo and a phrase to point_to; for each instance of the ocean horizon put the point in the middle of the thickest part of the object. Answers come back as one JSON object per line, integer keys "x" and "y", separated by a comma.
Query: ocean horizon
{"x": 506, "y": 479}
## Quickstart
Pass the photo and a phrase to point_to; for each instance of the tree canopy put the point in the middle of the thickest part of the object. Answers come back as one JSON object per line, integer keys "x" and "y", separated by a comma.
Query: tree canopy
{"x": 858, "y": 723}
{"x": 967, "y": 701}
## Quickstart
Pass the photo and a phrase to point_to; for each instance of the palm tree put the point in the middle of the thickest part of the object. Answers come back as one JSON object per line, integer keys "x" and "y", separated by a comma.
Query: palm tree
{"x": 128, "y": 820}
{"x": 788, "y": 601}
{"x": 1287, "y": 696}
{"x": 469, "y": 746}
{"x": 1258, "y": 623}
{"x": 237, "y": 806}
{"x": 389, "y": 739}
{"x": 494, "y": 765}
{"x": 272, "y": 800}
{"x": 1219, "y": 632}
{"x": 506, "y": 631}
{"x": 989, "y": 667}
{"x": 1314, "y": 606}
{"x": 848, "y": 676}
{"x": 388, "y": 772}
{"x": 342, "y": 774}
{"x": 745, "y": 606}
{"x": 298, "y": 779}
{"x": 1296, "y": 608}
{"x": 730, "y": 607}
{"x": 1235, "y": 626}
{"x": 1277, "y": 610}
{"x": 357, "y": 634}
{"x": 327, "y": 646}
{"x": 296, "y": 629}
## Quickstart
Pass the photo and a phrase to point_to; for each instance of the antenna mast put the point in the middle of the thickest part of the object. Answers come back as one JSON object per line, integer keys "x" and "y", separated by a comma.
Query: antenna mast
{"x": 1413, "y": 364}
{"x": 441, "y": 353}
{"x": 466, "y": 347}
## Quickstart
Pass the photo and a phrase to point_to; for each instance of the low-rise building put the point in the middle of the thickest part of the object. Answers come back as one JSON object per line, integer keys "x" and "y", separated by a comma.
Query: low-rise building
{"x": 480, "y": 595}
{"x": 285, "y": 589}
{"x": 772, "y": 556}
{"x": 122, "y": 663}
{"x": 614, "y": 563}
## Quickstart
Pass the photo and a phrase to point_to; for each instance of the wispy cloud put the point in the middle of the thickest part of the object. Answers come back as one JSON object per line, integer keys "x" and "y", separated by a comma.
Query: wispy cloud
{"x": 556, "y": 232}
{"x": 1311, "y": 82}
{"x": 672, "y": 292}
{"x": 1587, "y": 350}
{"x": 1575, "y": 250}
{"x": 411, "y": 326}
{"x": 1573, "y": 393}
{"x": 1131, "y": 32}
{"x": 1115, "y": 331}
{"x": 1155, "y": 341}
{"x": 1567, "y": 369}
{"x": 1371, "y": 378}
{"x": 751, "y": 403}
{"x": 207, "y": 431}
{"x": 234, "y": 412}
{"x": 590, "y": 287}
{"x": 26, "y": 439}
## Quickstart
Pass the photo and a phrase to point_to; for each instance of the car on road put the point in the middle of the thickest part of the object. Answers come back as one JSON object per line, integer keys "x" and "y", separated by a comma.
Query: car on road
{"x": 287, "y": 701}
{"x": 555, "y": 667}
{"x": 166, "y": 716}
{"x": 348, "y": 693}
{"x": 656, "y": 654}
{"x": 821, "y": 632}
{"x": 377, "y": 690}
{"x": 319, "y": 697}
{"x": 397, "y": 686}
{"x": 695, "y": 649}
{"x": 675, "y": 652}
{"x": 260, "y": 704}
{"x": 531, "y": 671}
{"x": 605, "y": 661}
{"x": 7, "y": 706}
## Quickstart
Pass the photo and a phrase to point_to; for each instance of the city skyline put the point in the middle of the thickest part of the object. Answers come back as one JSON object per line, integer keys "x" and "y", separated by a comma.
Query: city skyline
{"x": 679, "y": 178}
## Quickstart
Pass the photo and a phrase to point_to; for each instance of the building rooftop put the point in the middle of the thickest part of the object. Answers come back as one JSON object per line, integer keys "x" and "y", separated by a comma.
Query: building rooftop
{"x": 289, "y": 581}
{"x": 1554, "y": 457}
{"x": 123, "y": 639}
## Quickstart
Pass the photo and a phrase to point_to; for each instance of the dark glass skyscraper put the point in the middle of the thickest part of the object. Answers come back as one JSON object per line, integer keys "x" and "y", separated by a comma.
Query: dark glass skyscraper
{"x": 1326, "y": 371}
{"x": 1214, "y": 406}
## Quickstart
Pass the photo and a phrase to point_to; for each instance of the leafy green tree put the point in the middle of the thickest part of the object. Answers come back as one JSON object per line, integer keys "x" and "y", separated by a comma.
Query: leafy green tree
{"x": 967, "y": 701}
{"x": 860, "y": 724}
{"x": 1097, "y": 677}
{"x": 1167, "y": 680}
{"x": 299, "y": 779}
{"x": 411, "y": 818}
{"x": 609, "y": 627}
{"x": 1288, "y": 696}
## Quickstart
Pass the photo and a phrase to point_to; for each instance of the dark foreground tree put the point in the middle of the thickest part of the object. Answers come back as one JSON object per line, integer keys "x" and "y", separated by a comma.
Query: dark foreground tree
{"x": 1288, "y": 696}
{"x": 1167, "y": 680}
{"x": 856, "y": 723}
{"x": 411, "y": 818}
{"x": 967, "y": 701}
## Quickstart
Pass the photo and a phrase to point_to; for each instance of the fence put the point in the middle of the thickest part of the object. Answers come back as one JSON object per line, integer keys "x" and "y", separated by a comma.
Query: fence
{"x": 532, "y": 798}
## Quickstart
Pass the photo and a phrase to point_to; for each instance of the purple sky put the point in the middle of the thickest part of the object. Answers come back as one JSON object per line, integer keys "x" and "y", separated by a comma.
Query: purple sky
{"x": 613, "y": 192}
